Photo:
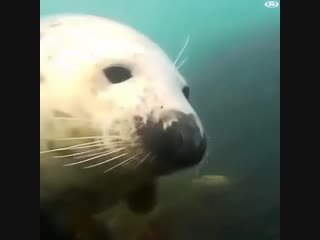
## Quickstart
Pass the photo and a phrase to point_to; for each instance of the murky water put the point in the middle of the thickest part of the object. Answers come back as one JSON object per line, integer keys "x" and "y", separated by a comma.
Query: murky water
{"x": 233, "y": 68}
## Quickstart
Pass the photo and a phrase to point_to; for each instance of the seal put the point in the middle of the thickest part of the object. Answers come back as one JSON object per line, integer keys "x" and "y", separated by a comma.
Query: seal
{"x": 114, "y": 116}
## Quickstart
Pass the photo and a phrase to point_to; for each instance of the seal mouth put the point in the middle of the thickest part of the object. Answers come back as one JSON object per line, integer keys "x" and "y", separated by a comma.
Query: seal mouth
{"x": 176, "y": 146}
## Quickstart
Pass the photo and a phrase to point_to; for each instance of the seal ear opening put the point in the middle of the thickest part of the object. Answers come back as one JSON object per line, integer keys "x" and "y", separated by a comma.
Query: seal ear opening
{"x": 144, "y": 199}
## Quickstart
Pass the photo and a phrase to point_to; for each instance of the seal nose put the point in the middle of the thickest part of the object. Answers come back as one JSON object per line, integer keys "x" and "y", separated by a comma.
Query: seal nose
{"x": 185, "y": 145}
{"x": 177, "y": 146}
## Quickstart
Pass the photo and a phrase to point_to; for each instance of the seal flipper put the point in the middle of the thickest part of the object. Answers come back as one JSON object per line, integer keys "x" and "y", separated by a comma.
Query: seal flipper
{"x": 144, "y": 199}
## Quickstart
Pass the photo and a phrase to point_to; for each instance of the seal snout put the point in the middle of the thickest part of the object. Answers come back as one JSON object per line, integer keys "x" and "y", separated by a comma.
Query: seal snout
{"x": 177, "y": 145}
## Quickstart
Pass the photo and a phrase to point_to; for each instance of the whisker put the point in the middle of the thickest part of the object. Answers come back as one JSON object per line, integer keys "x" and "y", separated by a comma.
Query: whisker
{"x": 182, "y": 50}
{"x": 77, "y": 138}
{"x": 182, "y": 63}
{"x": 90, "y": 146}
{"x": 90, "y": 155}
{"x": 109, "y": 160}
{"x": 90, "y": 159}
{"x": 71, "y": 147}
{"x": 124, "y": 162}
{"x": 80, "y": 153}
{"x": 113, "y": 138}
{"x": 72, "y": 119}
{"x": 113, "y": 142}
{"x": 143, "y": 159}
{"x": 108, "y": 144}
{"x": 83, "y": 138}
{"x": 96, "y": 153}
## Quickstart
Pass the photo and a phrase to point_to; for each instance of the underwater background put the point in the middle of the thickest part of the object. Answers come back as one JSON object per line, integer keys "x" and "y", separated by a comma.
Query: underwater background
{"x": 233, "y": 69}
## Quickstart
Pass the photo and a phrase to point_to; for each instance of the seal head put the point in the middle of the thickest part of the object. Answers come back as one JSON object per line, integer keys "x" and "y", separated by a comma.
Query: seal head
{"x": 114, "y": 112}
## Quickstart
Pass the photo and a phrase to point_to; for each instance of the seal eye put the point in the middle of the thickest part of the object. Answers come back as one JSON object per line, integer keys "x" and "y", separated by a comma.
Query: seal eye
{"x": 117, "y": 74}
{"x": 186, "y": 92}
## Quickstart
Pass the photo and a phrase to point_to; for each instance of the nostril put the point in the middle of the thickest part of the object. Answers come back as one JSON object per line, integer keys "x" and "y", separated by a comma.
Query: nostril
{"x": 175, "y": 135}
{"x": 177, "y": 141}
{"x": 192, "y": 146}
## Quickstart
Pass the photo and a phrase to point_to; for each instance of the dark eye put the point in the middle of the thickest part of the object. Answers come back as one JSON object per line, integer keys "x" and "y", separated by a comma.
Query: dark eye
{"x": 117, "y": 74}
{"x": 186, "y": 92}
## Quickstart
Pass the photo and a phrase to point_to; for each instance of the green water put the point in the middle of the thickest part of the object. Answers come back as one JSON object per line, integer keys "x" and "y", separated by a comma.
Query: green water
{"x": 170, "y": 22}
{"x": 234, "y": 72}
